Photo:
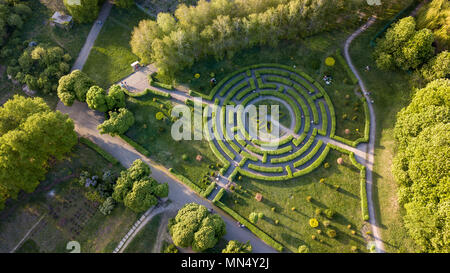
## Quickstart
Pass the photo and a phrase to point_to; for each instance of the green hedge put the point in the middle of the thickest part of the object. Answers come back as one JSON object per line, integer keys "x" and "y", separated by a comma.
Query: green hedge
{"x": 310, "y": 155}
{"x": 228, "y": 86}
{"x": 206, "y": 192}
{"x": 218, "y": 195}
{"x": 161, "y": 85}
{"x": 263, "y": 177}
{"x": 323, "y": 112}
{"x": 265, "y": 169}
{"x": 147, "y": 91}
{"x": 99, "y": 150}
{"x": 294, "y": 155}
{"x": 315, "y": 164}
{"x": 255, "y": 230}
{"x": 138, "y": 147}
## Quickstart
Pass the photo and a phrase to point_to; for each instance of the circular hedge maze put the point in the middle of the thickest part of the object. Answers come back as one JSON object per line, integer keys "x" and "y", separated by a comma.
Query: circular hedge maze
{"x": 302, "y": 144}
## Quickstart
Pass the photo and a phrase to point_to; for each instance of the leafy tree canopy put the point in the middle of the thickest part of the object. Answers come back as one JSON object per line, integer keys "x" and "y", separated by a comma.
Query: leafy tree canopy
{"x": 74, "y": 86}
{"x": 237, "y": 247}
{"x": 118, "y": 122}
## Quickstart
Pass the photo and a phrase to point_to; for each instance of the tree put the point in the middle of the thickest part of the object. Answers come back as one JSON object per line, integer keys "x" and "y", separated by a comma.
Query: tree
{"x": 404, "y": 47}
{"x": 74, "y": 86}
{"x": 434, "y": 16}
{"x": 437, "y": 68}
{"x": 421, "y": 166}
{"x": 118, "y": 122}
{"x": 124, "y": 3}
{"x": 96, "y": 99}
{"x": 195, "y": 226}
{"x": 83, "y": 11}
{"x": 136, "y": 189}
{"x": 237, "y": 247}
{"x": 30, "y": 135}
{"x": 116, "y": 97}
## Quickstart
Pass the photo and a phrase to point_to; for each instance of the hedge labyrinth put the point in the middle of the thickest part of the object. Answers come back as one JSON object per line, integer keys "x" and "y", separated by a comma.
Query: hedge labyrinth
{"x": 301, "y": 147}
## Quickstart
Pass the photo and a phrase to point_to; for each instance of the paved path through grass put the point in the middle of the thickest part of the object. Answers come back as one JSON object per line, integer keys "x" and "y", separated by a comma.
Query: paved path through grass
{"x": 90, "y": 40}
{"x": 370, "y": 148}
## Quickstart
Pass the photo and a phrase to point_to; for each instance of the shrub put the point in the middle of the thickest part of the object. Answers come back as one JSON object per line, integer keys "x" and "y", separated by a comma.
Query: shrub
{"x": 308, "y": 198}
{"x": 171, "y": 249}
{"x": 318, "y": 211}
{"x": 326, "y": 223}
{"x": 313, "y": 222}
{"x": 303, "y": 249}
{"x": 107, "y": 206}
{"x": 331, "y": 233}
{"x": 329, "y": 213}
{"x": 118, "y": 123}
{"x": 253, "y": 217}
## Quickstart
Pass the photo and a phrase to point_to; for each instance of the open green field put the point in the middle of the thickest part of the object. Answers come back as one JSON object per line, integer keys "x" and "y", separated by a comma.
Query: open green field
{"x": 145, "y": 240}
{"x": 69, "y": 211}
{"x": 293, "y": 228}
{"x": 111, "y": 56}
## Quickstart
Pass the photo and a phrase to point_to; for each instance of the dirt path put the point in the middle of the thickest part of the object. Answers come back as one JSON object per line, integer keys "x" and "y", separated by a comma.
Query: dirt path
{"x": 370, "y": 147}
{"x": 163, "y": 235}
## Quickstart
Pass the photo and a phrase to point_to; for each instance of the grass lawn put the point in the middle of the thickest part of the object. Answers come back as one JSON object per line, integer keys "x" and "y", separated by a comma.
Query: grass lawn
{"x": 284, "y": 116}
{"x": 111, "y": 56}
{"x": 391, "y": 91}
{"x": 146, "y": 238}
{"x": 293, "y": 228}
{"x": 155, "y": 136}
{"x": 69, "y": 211}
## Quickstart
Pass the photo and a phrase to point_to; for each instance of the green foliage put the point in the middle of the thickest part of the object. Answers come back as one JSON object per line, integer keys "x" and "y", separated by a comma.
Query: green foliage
{"x": 215, "y": 28}
{"x": 253, "y": 217}
{"x": 234, "y": 246}
{"x": 303, "y": 249}
{"x": 74, "y": 86}
{"x": 438, "y": 67}
{"x": 171, "y": 249}
{"x": 136, "y": 189}
{"x": 116, "y": 97}
{"x": 107, "y": 206}
{"x": 85, "y": 12}
{"x": 96, "y": 98}
{"x": 30, "y": 135}
{"x": 13, "y": 14}
{"x": 403, "y": 47}
{"x": 434, "y": 16}
{"x": 329, "y": 213}
{"x": 195, "y": 226}
{"x": 421, "y": 165}
{"x": 118, "y": 122}
{"x": 40, "y": 67}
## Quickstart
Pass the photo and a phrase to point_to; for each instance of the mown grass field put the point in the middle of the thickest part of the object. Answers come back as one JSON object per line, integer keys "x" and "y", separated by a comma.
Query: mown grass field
{"x": 111, "y": 57}
{"x": 145, "y": 240}
{"x": 70, "y": 211}
{"x": 293, "y": 228}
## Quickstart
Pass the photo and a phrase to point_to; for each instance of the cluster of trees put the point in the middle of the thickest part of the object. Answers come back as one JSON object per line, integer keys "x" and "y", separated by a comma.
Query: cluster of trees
{"x": 221, "y": 28}
{"x": 435, "y": 16}
{"x": 30, "y": 135}
{"x": 137, "y": 190}
{"x": 404, "y": 47}
{"x": 74, "y": 86}
{"x": 194, "y": 226}
{"x": 237, "y": 247}
{"x": 407, "y": 48}
{"x": 86, "y": 11}
{"x": 421, "y": 166}
{"x": 13, "y": 13}
{"x": 97, "y": 99}
{"x": 40, "y": 67}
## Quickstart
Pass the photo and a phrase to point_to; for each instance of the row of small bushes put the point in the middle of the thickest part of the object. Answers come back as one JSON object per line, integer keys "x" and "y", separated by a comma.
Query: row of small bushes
{"x": 257, "y": 150}
{"x": 135, "y": 145}
{"x": 233, "y": 92}
{"x": 233, "y": 82}
{"x": 206, "y": 192}
{"x": 263, "y": 177}
{"x": 146, "y": 92}
{"x": 202, "y": 192}
{"x": 265, "y": 169}
{"x": 305, "y": 110}
{"x": 255, "y": 230}
{"x": 273, "y": 144}
{"x": 99, "y": 150}
{"x": 249, "y": 156}
{"x": 346, "y": 67}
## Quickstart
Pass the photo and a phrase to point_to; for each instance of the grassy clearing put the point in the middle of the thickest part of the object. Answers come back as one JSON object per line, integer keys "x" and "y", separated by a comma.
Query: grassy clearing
{"x": 293, "y": 228}
{"x": 70, "y": 211}
{"x": 111, "y": 56}
{"x": 146, "y": 238}
{"x": 391, "y": 92}
{"x": 155, "y": 136}
{"x": 284, "y": 118}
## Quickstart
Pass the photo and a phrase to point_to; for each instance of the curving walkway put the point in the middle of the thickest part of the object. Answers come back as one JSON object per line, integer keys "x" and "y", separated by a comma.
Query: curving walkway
{"x": 370, "y": 147}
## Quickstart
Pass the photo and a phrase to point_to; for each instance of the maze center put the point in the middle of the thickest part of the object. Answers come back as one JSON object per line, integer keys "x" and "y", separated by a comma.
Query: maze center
{"x": 301, "y": 146}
